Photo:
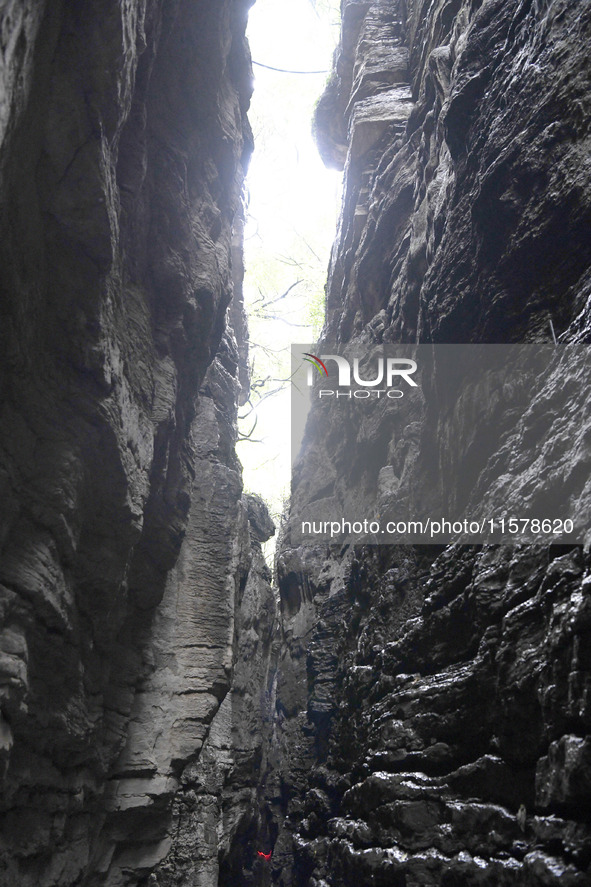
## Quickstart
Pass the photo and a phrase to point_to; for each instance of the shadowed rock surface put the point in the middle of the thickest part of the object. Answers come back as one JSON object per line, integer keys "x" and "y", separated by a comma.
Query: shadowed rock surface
{"x": 136, "y": 606}
{"x": 419, "y": 716}
{"x": 433, "y": 704}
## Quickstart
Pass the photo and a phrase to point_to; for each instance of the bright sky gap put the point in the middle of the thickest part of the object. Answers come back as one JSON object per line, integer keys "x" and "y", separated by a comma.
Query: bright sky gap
{"x": 293, "y": 203}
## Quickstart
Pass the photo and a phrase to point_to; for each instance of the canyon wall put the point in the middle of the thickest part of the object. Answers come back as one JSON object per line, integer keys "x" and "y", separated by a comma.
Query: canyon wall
{"x": 433, "y": 703}
{"x": 137, "y": 610}
{"x": 417, "y": 715}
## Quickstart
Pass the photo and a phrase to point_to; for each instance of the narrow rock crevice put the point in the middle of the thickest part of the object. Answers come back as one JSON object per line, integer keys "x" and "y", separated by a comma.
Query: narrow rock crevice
{"x": 387, "y": 715}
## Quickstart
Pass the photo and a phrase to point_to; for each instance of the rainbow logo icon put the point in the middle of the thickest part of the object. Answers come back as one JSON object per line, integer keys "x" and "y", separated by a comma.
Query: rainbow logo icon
{"x": 316, "y": 362}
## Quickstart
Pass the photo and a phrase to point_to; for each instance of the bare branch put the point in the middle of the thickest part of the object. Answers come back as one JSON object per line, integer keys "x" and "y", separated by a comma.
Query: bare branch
{"x": 282, "y": 296}
{"x": 250, "y": 433}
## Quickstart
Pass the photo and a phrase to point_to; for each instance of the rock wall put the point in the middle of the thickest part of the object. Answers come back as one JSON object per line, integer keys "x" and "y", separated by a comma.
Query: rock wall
{"x": 433, "y": 704}
{"x": 136, "y": 606}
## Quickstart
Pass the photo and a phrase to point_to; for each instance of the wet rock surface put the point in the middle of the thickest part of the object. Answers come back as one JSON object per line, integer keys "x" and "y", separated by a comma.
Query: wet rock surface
{"x": 136, "y": 605}
{"x": 433, "y": 703}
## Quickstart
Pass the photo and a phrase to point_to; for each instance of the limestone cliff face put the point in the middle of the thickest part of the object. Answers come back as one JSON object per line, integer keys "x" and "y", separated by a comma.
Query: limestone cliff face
{"x": 136, "y": 607}
{"x": 433, "y": 704}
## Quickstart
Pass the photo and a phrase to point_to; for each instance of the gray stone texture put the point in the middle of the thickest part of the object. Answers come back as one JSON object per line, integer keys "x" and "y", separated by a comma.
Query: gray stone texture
{"x": 416, "y": 716}
{"x": 136, "y": 606}
{"x": 434, "y": 705}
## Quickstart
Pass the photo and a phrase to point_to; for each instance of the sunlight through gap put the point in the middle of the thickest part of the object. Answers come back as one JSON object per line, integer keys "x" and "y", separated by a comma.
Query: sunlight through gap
{"x": 293, "y": 203}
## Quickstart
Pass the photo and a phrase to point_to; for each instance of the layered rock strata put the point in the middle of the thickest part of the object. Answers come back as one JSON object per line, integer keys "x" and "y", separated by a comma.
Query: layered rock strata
{"x": 136, "y": 606}
{"x": 433, "y": 704}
